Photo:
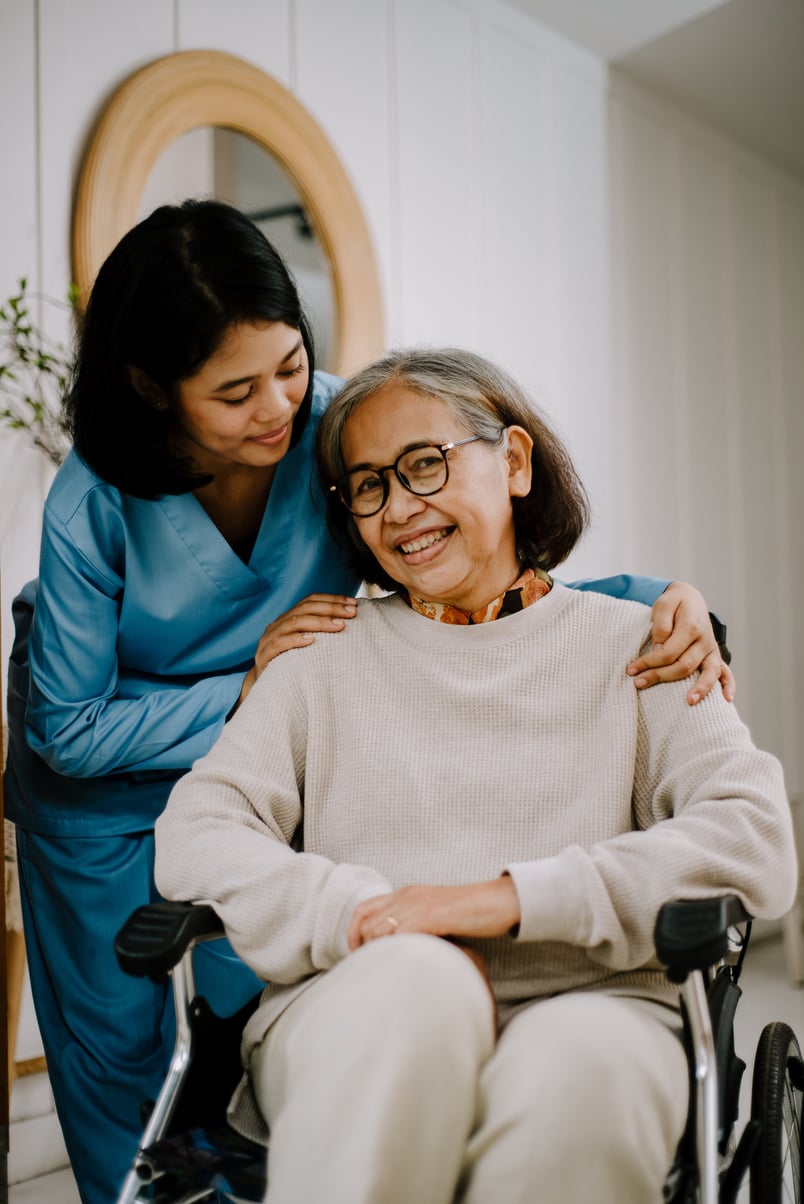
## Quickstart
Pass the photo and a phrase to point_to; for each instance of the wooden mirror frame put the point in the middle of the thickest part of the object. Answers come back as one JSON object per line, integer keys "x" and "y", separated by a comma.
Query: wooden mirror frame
{"x": 207, "y": 87}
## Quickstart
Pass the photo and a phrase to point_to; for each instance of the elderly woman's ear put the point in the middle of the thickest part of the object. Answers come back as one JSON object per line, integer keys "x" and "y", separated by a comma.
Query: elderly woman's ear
{"x": 519, "y": 447}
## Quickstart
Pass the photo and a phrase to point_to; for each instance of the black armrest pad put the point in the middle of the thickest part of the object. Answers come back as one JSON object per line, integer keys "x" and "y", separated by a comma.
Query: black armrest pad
{"x": 155, "y": 938}
{"x": 691, "y": 934}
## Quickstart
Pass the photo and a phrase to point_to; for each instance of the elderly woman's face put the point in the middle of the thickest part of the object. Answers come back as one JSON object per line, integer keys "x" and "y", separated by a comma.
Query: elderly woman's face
{"x": 457, "y": 545}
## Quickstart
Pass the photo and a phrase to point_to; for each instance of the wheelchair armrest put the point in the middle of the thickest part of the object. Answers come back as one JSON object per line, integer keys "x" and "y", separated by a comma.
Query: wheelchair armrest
{"x": 155, "y": 937}
{"x": 692, "y": 934}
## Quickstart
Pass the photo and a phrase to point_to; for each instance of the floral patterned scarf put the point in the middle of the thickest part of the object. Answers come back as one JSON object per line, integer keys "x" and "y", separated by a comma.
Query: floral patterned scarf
{"x": 531, "y": 585}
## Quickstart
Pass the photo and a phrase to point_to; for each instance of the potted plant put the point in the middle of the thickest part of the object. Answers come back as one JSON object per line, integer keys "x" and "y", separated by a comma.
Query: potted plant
{"x": 34, "y": 373}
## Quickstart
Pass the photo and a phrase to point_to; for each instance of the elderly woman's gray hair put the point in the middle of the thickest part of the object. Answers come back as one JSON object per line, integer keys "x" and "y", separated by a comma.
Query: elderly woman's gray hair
{"x": 484, "y": 400}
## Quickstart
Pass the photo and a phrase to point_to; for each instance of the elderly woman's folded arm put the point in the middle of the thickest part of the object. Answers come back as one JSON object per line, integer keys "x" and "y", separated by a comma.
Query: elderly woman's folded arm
{"x": 711, "y": 817}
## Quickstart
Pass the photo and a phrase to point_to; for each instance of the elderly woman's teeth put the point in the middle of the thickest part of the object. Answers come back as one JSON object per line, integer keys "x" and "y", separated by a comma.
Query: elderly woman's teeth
{"x": 426, "y": 541}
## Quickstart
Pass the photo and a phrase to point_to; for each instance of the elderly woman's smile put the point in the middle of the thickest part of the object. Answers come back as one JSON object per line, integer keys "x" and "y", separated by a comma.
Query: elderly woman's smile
{"x": 409, "y": 546}
{"x": 456, "y": 544}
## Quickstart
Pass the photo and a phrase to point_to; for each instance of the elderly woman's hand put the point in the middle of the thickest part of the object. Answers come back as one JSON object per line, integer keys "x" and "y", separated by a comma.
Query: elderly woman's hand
{"x": 476, "y": 910}
{"x": 683, "y": 641}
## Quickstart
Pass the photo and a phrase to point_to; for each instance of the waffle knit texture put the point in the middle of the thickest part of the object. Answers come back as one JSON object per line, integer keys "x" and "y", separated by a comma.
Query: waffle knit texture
{"x": 404, "y": 751}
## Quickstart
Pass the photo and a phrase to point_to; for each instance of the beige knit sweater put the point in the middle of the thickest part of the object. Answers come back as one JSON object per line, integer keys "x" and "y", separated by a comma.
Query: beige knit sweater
{"x": 402, "y": 750}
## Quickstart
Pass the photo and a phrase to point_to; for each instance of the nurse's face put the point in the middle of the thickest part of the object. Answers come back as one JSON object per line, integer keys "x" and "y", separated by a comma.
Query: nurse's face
{"x": 240, "y": 406}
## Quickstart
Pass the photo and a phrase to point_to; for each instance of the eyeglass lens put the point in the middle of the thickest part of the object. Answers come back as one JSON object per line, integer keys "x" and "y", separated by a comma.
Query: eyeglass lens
{"x": 422, "y": 470}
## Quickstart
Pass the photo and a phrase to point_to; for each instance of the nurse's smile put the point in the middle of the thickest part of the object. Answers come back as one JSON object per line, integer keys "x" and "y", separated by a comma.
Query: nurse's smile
{"x": 272, "y": 437}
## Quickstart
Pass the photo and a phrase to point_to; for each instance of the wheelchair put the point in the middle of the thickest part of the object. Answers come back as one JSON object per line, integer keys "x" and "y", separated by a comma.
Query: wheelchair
{"x": 189, "y": 1153}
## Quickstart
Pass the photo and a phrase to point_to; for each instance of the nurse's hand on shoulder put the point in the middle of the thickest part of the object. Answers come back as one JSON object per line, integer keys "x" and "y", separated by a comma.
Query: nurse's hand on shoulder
{"x": 683, "y": 641}
{"x": 296, "y": 628}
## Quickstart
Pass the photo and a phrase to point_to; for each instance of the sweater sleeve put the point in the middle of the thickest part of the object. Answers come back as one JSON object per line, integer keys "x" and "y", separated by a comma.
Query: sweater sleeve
{"x": 710, "y": 817}
{"x": 77, "y": 718}
{"x": 227, "y": 837}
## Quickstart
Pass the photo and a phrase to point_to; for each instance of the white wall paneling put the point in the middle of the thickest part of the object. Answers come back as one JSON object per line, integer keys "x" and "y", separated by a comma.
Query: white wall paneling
{"x": 438, "y": 171}
{"x": 755, "y": 414}
{"x": 789, "y": 380}
{"x": 19, "y": 127}
{"x": 256, "y": 30}
{"x": 517, "y": 192}
{"x": 546, "y": 308}
{"x": 342, "y": 73}
{"x": 86, "y": 49}
{"x": 708, "y": 257}
{"x": 645, "y": 363}
{"x": 23, "y": 473}
{"x": 580, "y": 291}
{"x": 710, "y": 444}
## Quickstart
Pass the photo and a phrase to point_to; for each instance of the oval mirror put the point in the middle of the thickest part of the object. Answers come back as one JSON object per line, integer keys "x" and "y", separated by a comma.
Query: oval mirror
{"x": 214, "y": 161}
{"x": 307, "y": 204}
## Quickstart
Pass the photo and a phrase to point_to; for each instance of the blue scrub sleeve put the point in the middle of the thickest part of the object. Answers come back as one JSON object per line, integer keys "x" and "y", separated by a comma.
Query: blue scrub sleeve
{"x": 624, "y": 585}
{"x": 75, "y": 719}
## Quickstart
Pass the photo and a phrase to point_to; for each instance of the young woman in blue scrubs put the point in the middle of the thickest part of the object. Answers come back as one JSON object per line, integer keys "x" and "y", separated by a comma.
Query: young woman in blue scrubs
{"x": 184, "y": 547}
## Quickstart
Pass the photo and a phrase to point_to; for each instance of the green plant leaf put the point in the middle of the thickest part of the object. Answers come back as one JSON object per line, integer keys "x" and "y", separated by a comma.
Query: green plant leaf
{"x": 34, "y": 374}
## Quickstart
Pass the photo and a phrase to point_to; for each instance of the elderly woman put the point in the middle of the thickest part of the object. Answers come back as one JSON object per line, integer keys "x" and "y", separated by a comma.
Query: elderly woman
{"x": 467, "y": 770}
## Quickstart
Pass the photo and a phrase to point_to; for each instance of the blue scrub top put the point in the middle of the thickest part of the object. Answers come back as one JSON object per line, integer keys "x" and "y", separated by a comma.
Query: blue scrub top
{"x": 145, "y": 622}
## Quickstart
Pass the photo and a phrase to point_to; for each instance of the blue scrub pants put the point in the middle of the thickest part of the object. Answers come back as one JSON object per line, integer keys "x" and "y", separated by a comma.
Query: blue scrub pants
{"x": 107, "y": 1037}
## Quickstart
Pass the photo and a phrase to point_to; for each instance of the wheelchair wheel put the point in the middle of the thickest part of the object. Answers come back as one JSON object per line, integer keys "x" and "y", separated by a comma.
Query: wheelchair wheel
{"x": 776, "y": 1103}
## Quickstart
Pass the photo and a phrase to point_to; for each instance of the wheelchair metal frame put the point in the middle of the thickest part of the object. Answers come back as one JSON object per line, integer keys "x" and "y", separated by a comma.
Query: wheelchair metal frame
{"x": 695, "y": 941}
{"x": 693, "y": 992}
{"x": 159, "y": 940}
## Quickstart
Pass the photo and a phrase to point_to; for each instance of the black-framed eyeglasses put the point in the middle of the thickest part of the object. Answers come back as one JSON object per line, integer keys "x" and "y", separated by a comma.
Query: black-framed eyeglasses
{"x": 423, "y": 469}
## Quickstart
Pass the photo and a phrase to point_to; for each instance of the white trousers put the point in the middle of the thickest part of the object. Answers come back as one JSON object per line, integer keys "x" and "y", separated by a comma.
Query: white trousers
{"x": 382, "y": 1084}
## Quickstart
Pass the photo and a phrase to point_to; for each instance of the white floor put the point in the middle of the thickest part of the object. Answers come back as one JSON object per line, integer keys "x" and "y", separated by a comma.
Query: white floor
{"x": 58, "y": 1188}
{"x": 768, "y": 995}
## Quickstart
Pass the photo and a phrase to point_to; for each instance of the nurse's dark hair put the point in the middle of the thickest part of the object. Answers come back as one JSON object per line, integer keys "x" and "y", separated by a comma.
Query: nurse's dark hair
{"x": 484, "y": 401}
{"x": 163, "y": 302}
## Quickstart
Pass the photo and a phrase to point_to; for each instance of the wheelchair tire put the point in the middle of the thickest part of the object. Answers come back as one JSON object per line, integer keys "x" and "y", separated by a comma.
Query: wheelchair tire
{"x": 776, "y": 1103}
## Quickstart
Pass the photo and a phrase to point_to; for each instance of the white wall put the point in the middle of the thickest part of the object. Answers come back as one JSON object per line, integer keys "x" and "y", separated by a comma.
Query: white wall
{"x": 643, "y": 276}
{"x": 708, "y": 268}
